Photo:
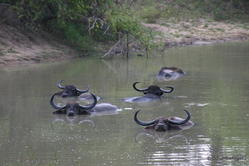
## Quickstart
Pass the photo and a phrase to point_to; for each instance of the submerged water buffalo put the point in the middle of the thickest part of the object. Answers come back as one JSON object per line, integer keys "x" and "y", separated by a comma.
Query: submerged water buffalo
{"x": 69, "y": 90}
{"x": 169, "y": 73}
{"x": 73, "y": 108}
{"x": 153, "y": 89}
{"x": 72, "y": 91}
{"x": 165, "y": 124}
{"x": 152, "y": 93}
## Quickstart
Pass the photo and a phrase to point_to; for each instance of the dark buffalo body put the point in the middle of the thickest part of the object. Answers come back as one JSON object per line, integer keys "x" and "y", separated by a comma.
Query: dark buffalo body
{"x": 153, "y": 89}
{"x": 151, "y": 93}
{"x": 165, "y": 124}
{"x": 70, "y": 90}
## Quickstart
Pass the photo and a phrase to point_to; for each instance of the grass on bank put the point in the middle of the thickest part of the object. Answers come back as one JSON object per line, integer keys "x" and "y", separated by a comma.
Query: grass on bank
{"x": 184, "y": 10}
{"x": 92, "y": 26}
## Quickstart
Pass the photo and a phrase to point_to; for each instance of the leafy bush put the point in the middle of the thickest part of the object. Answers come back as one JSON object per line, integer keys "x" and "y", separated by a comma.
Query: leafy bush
{"x": 123, "y": 21}
{"x": 80, "y": 21}
{"x": 151, "y": 11}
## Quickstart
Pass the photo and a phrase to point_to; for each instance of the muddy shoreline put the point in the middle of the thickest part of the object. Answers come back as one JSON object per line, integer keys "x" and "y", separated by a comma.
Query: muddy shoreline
{"x": 18, "y": 48}
{"x": 198, "y": 32}
{"x": 19, "y": 45}
{"x": 62, "y": 57}
{"x": 199, "y": 42}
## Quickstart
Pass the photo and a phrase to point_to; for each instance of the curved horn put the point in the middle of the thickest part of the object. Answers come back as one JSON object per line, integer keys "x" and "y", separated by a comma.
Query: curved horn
{"x": 143, "y": 123}
{"x": 182, "y": 122}
{"x": 59, "y": 84}
{"x": 167, "y": 91}
{"x": 82, "y": 91}
{"x": 55, "y": 106}
{"x": 137, "y": 89}
{"x": 92, "y": 105}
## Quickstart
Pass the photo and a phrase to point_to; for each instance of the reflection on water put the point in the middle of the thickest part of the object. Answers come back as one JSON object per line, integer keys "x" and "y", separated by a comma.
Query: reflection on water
{"x": 214, "y": 90}
{"x": 159, "y": 137}
{"x": 73, "y": 120}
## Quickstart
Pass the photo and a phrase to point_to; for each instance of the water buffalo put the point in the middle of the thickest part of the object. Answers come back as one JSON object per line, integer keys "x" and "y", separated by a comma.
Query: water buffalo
{"x": 169, "y": 73}
{"x": 72, "y": 108}
{"x": 164, "y": 124}
{"x": 153, "y": 89}
{"x": 70, "y": 90}
{"x": 152, "y": 93}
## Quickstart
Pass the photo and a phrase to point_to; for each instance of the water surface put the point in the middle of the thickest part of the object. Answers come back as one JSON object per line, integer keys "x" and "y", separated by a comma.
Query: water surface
{"x": 215, "y": 90}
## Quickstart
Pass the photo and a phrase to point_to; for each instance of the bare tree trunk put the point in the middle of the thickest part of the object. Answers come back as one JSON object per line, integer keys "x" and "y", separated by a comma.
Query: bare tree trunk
{"x": 127, "y": 45}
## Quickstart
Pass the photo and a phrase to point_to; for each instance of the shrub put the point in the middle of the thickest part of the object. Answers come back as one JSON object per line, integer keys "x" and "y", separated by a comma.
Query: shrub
{"x": 105, "y": 20}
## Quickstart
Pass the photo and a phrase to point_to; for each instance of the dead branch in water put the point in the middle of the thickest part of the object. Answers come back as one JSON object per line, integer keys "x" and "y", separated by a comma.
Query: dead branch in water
{"x": 112, "y": 49}
{"x": 125, "y": 46}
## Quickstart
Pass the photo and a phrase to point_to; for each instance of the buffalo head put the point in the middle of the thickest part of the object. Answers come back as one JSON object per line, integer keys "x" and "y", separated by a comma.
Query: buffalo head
{"x": 153, "y": 89}
{"x": 72, "y": 108}
{"x": 164, "y": 124}
{"x": 70, "y": 90}
{"x": 169, "y": 73}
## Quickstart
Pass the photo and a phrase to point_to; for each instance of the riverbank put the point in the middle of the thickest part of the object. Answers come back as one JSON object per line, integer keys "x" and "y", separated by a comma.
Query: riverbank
{"x": 22, "y": 47}
{"x": 176, "y": 23}
{"x": 199, "y": 32}
{"x": 19, "y": 46}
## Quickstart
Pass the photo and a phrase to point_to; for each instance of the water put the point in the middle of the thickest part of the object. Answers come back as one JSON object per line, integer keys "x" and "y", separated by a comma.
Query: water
{"x": 215, "y": 90}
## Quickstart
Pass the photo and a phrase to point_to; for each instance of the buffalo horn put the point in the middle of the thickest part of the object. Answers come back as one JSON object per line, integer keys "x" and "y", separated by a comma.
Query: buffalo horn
{"x": 92, "y": 105}
{"x": 142, "y": 123}
{"x": 83, "y": 91}
{"x": 182, "y": 122}
{"x": 167, "y": 91}
{"x": 55, "y": 106}
{"x": 137, "y": 89}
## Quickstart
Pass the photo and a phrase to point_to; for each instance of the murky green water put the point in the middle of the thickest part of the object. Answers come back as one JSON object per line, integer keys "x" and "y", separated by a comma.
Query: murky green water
{"x": 215, "y": 90}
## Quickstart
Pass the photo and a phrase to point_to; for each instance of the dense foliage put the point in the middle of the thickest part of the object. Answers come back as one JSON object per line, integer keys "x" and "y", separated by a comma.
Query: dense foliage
{"x": 83, "y": 22}
{"x": 218, "y": 10}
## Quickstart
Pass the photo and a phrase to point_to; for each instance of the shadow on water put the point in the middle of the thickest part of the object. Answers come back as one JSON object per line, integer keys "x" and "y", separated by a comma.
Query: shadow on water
{"x": 214, "y": 90}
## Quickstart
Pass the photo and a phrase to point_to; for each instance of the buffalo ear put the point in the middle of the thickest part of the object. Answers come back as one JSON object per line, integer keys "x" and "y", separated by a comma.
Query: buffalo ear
{"x": 85, "y": 112}
{"x": 61, "y": 111}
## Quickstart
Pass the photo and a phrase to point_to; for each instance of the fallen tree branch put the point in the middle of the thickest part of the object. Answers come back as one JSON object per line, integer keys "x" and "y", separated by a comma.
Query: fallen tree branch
{"x": 109, "y": 52}
{"x": 125, "y": 46}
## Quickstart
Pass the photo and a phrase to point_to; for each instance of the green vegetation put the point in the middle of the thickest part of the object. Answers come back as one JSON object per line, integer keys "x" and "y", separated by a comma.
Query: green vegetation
{"x": 87, "y": 24}
{"x": 83, "y": 23}
{"x": 178, "y": 10}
